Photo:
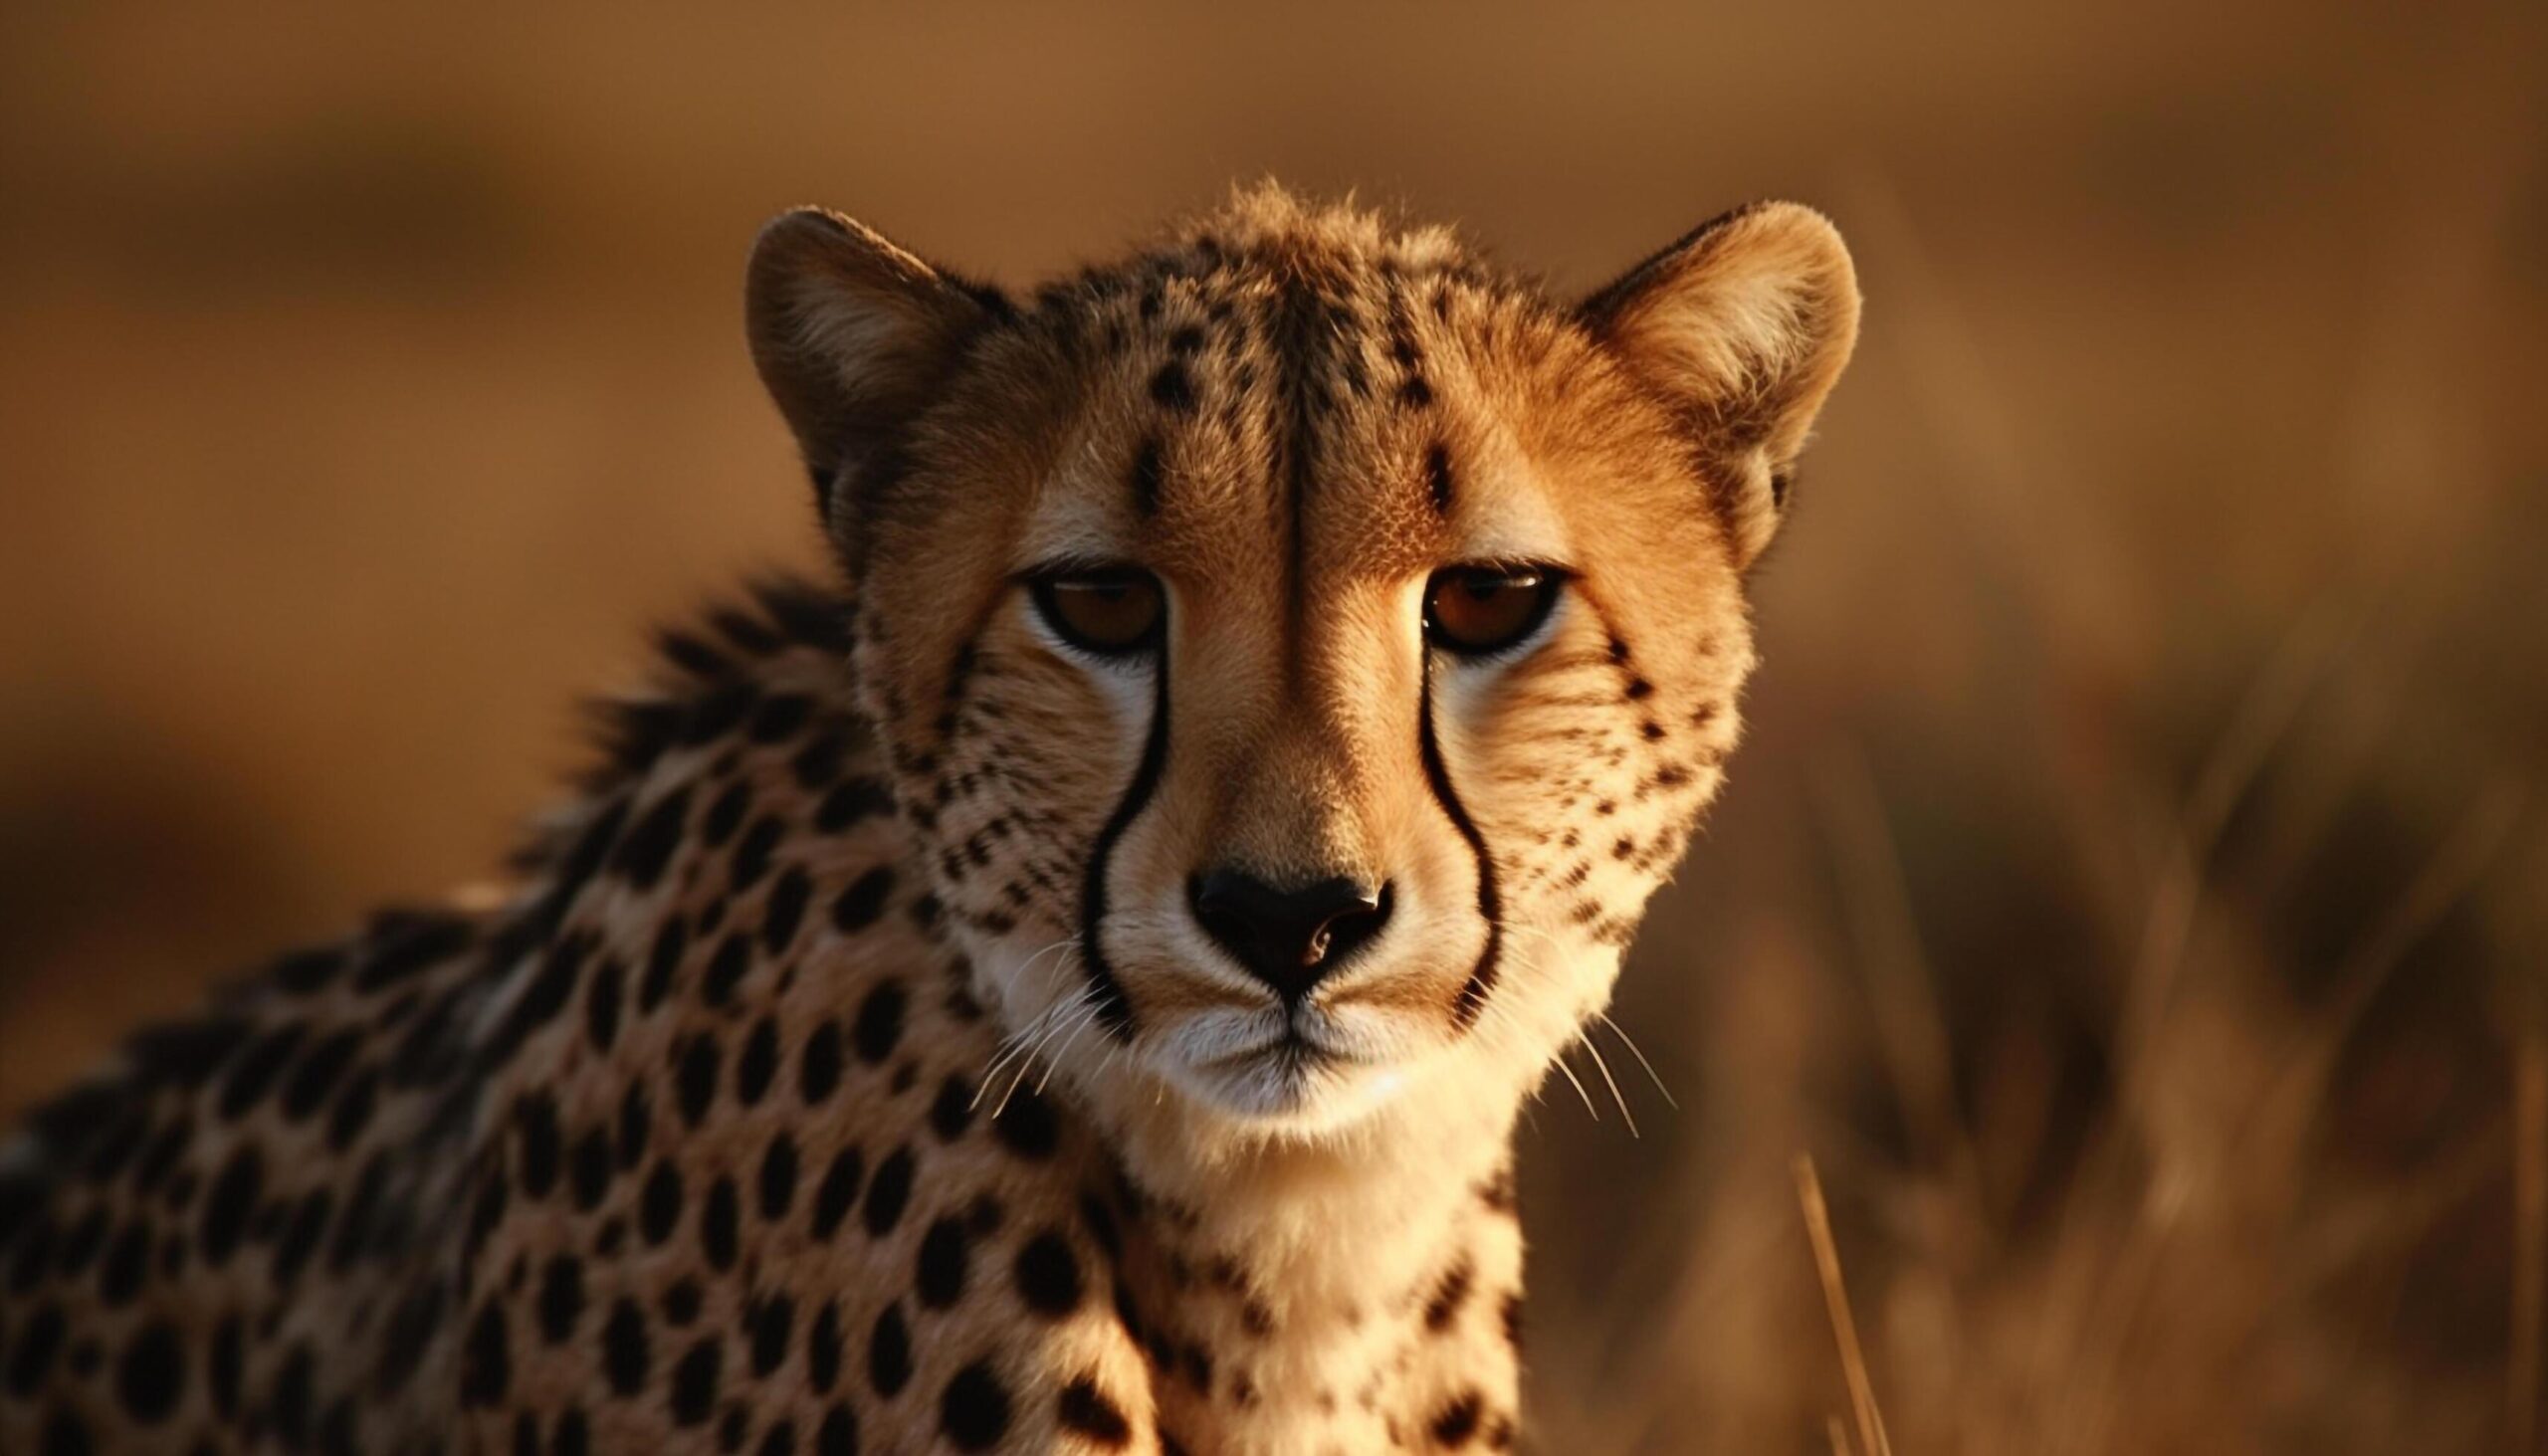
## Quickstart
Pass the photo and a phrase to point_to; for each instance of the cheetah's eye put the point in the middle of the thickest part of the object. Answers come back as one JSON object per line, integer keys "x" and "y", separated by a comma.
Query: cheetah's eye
{"x": 1476, "y": 610}
{"x": 1112, "y": 611}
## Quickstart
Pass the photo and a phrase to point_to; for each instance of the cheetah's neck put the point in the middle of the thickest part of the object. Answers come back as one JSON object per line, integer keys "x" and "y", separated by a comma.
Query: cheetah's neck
{"x": 1310, "y": 1298}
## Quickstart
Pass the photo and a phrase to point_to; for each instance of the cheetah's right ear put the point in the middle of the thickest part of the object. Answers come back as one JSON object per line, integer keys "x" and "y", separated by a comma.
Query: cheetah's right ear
{"x": 1741, "y": 329}
{"x": 851, "y": 335}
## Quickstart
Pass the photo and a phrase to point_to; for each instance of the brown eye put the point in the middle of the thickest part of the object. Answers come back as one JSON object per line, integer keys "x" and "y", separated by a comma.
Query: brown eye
{"x": 1475, "y": 610}
{"x": 1112, "y": 612}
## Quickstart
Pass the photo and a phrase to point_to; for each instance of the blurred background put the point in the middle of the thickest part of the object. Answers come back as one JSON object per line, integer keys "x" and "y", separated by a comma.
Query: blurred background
{"x": 2134, "y": 890}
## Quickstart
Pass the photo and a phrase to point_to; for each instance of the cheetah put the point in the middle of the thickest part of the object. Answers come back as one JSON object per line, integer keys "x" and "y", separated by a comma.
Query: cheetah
{"x": 1066, "y": 982}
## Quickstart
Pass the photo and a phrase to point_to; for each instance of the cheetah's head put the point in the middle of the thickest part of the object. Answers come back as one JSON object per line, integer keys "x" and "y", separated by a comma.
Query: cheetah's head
{"x": 1301, "y": 648}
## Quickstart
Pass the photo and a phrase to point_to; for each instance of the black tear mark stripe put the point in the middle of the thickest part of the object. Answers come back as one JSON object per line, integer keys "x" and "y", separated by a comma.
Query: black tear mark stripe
{"x": 1473, "y": 992}
{"x": 1114, "y": 1012}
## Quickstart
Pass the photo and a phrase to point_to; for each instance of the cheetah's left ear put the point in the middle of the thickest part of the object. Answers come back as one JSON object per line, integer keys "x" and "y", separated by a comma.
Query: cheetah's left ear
{"x": 852, "y": 335}
{"x": 1742, "y": 328}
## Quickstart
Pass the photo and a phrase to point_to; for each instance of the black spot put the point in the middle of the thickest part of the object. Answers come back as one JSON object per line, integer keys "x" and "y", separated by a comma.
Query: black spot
{"x": 573, "y": 1435}
{"x": 694, "y": 1393}
{"x": 863, "y": 902}
{"x": 661, "y": 961}
{"x": 943, "y": 1254}
{"x": 837, "y": 1191}
{"x": 725, "y": 815}
{"x": 759, "y": 1061}
{"x": 820, "y": 762}
{"x": 624, "y": 1353}
{"x": 321, "y": 1067}
{"x": 880, "y": 1023}
{"x": 186, "y": 1053}
{"x": 225, "y": 1366}
{"x": 353, "y": 1110}
{"x": 561, "y": 1296}
{"x": 1085, "y": 1410}
{"x": 787, "y": 909}
{"x": 818, "y": 1074}
{"x": 850, "y": 802}
{"x": 975, "y": 1410}
{"x": 636, "y": 1123}
{"x": 659, "y": 1205}
{"x": 838, "y": 1434}
{"x": 354, "y": 1232}
{"x": 1028, "y": 1125}
{"x": 718, "y": 1219}
{"x": 486, "y": 1366}
{"x": 80, "y": 1245}
{"x": 1449, "y": 1296}
{"x": 300, "y": 1238}
{"x": 536, "y": 1118}
{"x": 953, "y": 1111}
{"x": 488, "y": 1211}
{"x": 1457, "y": 1421}
{"x": 771, "y": 1322}
{"x": 1101, "y": 1225}
{"x": 1048, "y": 1275}
{"x": 254, "y": 1071}
{"x": 35, "y": 1249}
{"x": 780, "y": 717}
{"x": 823, "y": 1348}
{"x": 887, "y": 1192}
{"x": 751, "y": 857}
{"x": 227, "y": 1205}
{"x": 38, "y": 1342}
{"x": 601, "y": 1004}
{"x": 592, "y": 1165}
{"x": 726, "y": 970}
{"x": 648, "y": 847}
{"x": 151, "y": 1376}
{"x": 1173, "y": 388}
{"x": 404, "y": 942}
{"x": 543, "y": 999}
{"x": 889, "y": 1353}
{"x": 69, "y": 1124}
{"x": 65, "y": 1435}
{"x": 697, "y": 1078}
{"x": 778, "y": 1176}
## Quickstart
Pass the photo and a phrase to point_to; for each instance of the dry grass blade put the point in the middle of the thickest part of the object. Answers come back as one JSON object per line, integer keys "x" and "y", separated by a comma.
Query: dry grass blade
{"x": 1836, "y": 1296}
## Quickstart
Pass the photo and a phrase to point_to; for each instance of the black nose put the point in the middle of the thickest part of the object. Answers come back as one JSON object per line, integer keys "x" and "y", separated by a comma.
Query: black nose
{"x": 1287, "y": 938}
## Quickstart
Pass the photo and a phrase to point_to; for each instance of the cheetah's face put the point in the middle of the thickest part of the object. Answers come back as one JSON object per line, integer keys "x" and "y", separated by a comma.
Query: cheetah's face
{"x": 1302, "y": 650}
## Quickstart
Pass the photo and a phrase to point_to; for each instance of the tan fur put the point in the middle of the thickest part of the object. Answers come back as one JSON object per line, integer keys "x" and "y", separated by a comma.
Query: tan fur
{"x": 1123, "y": 1226}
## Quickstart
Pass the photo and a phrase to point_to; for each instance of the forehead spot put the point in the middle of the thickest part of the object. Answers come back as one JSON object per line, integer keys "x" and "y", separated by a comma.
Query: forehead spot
{"x": 1173, "y": 388}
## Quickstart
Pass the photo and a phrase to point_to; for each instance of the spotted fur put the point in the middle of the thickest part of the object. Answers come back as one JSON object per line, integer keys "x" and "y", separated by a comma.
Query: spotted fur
{"x": 848, "y": 1072}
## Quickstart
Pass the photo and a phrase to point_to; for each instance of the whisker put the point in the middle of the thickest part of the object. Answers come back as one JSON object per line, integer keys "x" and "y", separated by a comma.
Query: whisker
{"x": 1637, "y": 1052}
{"x": 1625, "y": 1115}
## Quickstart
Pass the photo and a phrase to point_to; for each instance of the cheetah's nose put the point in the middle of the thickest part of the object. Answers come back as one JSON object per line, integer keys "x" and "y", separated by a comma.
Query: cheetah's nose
{"x": 1288, "y": 938}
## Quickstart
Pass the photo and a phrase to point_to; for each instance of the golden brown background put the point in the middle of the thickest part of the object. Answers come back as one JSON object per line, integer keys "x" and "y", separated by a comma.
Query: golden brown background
{"x": 2134, "y": 890}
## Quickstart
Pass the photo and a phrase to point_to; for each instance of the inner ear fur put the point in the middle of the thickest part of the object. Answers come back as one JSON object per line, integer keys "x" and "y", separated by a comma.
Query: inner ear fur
{"x": 1741, "y": 329}
{"x": 851, "y": 334}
